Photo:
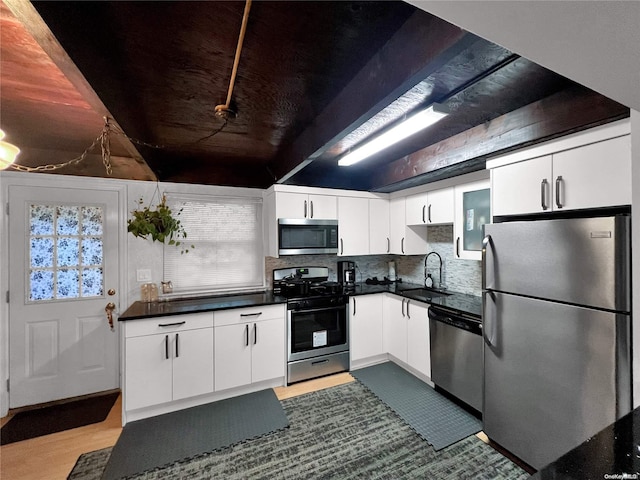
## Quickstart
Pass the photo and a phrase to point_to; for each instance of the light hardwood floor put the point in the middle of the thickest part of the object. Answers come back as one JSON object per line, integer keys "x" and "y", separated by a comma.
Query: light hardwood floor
{"x": 52, "y": 457}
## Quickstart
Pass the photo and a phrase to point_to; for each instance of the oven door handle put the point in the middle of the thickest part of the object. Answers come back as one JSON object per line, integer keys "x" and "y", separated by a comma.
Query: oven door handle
{"x": 323, "y": 309}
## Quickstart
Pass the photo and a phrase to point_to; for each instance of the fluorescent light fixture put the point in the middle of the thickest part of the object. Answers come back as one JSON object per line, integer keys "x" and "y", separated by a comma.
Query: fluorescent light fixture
{"x": 404, "y": 129}
{"x": 8, "y": 153}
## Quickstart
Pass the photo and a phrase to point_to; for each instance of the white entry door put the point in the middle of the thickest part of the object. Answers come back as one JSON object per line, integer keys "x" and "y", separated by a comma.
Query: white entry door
{"x": 63, "y": 248}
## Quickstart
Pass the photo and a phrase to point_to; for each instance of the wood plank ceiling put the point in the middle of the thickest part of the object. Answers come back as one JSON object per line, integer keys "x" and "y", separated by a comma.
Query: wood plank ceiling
{"x": 314, "y": 79}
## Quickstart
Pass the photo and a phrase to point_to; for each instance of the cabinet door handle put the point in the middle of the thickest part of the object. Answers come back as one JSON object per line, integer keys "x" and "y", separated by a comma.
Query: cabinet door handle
{"x": 177, "y": 345}
{"x": 246, "y": 335}
{"x": 458, "y": 247}
{"x": 423, "y": 219}
{"x": 251, "y": 314}
{"x": 543, "y": 193}
{"x": 402, "y": 245}
{"x": 388, "y": 245}
{"x": 255, "y": 333}
{"x": 341, "y": 246}
{"x": 403, "y": 300}
{"x": 408, "y": 316}
{"x": 166, "y": 347}
{"x": 354, "y": 306}
{"x": 559, "y": 183}
{"x": 305, "y": 209}
{"x": 429, "y": 213}
{"x": 176, "y": 324}
{"x": 311, "y": 209}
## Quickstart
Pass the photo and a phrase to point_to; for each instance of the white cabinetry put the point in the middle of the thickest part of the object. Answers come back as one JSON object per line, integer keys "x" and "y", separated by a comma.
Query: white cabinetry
{"x": 418, "y": 345}
{"x": 353, "y": 226}
{"x": 366, "y": 331}
{"x": 405, "y": 240}
{"x": 167, "y": 358}
{"x": 379, "y": 235}
{"x": 434, "y": 207}
{"x": 597, "y": 174}
{"x": 395, "y": 327}
{"x": 472, "y": 209}
{"x": 249, "y": 345}
{"x": 302, "y": 205}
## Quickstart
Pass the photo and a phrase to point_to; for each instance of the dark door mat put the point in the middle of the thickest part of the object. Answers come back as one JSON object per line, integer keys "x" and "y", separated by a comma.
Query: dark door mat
{"x": 434, "y": 417}
{"x": 154, "y": 442}
{"x": 56, "y": 418}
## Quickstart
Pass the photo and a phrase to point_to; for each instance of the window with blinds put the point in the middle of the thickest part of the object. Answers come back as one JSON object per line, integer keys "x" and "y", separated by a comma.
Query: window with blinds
{"x": 227, "y": 235}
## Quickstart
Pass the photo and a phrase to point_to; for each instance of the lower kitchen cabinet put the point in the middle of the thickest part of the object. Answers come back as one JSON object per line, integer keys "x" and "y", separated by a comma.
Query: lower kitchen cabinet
{"x": 395, "y": 327}
{"x": 167, "y": 358}
{"x": 366, "y": 329}
{"x": 249, "y": 346}
{"x": 418, "y": 345}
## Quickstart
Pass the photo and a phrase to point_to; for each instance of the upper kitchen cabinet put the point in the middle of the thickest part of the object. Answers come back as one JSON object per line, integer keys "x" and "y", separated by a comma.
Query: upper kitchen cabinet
{"x": 472, "y": 212}
{"x": 302, "y": 205}
{"x": 404, "y": 239}
{"x": 379, "y": 234}
{"x": 586, "y": 170}
{"x": 353, "y": 226}
{"x": 434, "y": 207}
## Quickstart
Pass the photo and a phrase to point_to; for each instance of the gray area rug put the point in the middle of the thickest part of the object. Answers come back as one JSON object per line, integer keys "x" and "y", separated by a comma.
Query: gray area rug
{"x": 434, "y": 417}
{"x": 343, "y": 432}
{"x": 165, "y": 439}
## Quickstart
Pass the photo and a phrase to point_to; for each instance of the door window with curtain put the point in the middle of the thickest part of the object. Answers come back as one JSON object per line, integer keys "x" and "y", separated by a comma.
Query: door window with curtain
{"x": 227, "y": 235}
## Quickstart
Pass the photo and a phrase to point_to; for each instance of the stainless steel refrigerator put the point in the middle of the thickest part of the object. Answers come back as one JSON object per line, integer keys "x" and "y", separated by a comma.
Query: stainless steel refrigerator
{"x": 556, "y": 327}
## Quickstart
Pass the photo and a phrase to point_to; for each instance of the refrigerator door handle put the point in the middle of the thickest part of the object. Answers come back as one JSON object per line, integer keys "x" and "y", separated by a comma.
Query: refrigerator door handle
{"x": 487, "y": 258}
{"x": 488, "y": 318}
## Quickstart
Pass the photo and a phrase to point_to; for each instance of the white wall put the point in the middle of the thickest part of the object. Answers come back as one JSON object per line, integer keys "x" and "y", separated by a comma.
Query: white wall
{"x": 594, "y": 43}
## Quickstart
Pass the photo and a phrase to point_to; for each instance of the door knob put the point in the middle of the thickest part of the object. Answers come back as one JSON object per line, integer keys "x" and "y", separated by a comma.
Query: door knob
{"x": 111, "y": 292}
{"x": 109, "y": 309}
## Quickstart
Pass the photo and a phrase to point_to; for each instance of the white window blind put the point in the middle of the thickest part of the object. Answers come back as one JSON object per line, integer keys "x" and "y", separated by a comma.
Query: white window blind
{"x": 227, "y": 235}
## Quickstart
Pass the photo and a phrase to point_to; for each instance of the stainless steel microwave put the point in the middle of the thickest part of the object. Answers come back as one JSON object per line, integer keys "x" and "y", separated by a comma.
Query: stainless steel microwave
{"x": 305, "y": 236}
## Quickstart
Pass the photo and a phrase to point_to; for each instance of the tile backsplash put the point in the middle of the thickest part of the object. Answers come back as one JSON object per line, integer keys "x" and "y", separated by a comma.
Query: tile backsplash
{"x": 462, "y": 276}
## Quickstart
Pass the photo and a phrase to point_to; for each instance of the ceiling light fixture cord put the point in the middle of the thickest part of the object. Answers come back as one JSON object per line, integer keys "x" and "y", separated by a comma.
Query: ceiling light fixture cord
{"x": 223, "y": 110}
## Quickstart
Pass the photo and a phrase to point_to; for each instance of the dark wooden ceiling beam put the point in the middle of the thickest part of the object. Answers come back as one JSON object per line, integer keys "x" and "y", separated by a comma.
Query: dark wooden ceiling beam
{"x": 417, "y": 49}
{"x": 571, "y": 110}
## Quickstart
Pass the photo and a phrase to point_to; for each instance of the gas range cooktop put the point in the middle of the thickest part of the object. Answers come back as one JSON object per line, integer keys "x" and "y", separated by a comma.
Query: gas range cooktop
{"x": 303, "y": 282}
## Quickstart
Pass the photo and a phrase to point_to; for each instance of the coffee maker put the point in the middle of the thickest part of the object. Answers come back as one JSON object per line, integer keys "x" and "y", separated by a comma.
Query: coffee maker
{"x": 347, "y": 274}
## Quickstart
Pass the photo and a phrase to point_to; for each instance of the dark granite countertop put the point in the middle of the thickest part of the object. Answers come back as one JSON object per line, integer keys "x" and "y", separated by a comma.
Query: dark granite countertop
{"x": 611, "y": 453}
{"x": 141, "y": 310}
{"x": 459, "y": 302}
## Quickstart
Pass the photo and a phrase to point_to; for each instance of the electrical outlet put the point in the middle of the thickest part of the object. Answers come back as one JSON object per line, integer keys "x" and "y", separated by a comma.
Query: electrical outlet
{"x": 143, "y": 275}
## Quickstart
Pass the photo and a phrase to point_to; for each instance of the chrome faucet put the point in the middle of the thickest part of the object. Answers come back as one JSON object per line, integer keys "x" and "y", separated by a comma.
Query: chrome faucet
{"x": 425, "y": 268}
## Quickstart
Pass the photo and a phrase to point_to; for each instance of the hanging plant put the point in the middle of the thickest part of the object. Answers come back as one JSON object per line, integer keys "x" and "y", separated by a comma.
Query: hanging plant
{"x": 159, "y": 223}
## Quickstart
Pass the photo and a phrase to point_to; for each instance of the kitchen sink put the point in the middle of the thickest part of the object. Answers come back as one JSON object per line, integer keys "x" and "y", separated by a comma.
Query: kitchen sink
{"x": 425, "y": 293}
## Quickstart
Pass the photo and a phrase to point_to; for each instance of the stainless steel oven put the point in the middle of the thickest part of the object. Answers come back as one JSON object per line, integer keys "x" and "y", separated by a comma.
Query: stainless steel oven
{"x": 317, "y": 323}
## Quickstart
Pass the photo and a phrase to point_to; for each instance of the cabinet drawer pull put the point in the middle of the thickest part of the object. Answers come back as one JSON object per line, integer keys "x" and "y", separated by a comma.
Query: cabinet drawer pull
{"x": 255, "y": 333}
{"x": 543, "y": 193}
{"x": 176, "y": 324}
{"x": 559, "y": 183}
{"x": 251, "y": 314}
{"x": 177, "y": 345}
{"x": 246, "y": 335}
{"x": 166, "y": 347}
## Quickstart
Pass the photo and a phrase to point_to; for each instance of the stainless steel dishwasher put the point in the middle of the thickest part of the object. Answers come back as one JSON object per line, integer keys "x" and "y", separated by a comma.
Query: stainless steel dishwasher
{"x": 456, "y": 354}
